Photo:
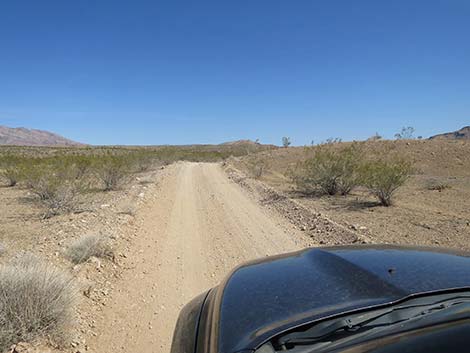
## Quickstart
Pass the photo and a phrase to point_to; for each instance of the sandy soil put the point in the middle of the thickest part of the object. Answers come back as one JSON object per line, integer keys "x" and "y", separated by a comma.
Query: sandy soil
{"x": 194, "y": 228}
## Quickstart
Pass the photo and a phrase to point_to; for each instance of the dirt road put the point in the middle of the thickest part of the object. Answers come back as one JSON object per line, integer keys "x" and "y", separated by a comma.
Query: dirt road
{"x": 191, "y": 233}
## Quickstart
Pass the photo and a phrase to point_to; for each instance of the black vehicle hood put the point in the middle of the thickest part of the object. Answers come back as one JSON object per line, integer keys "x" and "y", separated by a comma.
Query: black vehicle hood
{"x": 263, "y": 298}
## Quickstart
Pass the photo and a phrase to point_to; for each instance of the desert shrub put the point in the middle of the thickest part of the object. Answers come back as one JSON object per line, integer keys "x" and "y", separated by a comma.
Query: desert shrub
{"x": 10, "y": 169}
{"x": 112, "y": 170}
{"x": 286, "y": 141}
{"x": 79, "y": 166}
{"x": 55, "y": 184}
{"x": 3, "y": 250}
{"x": 384, "y": 177}
{"x": 436, "y": 185}
{"x": 406, "y": 133}
{"x": 36, "y": 300}
{"x": 142, "y": 161}
{"x": 375, "y": 137}
{"x": 333, "y": 140}
{"x": 331, "y": 170}
{"x": 257, "y": 166}
{"x": 87, "y": 246}
{"x": 62, "y": 199}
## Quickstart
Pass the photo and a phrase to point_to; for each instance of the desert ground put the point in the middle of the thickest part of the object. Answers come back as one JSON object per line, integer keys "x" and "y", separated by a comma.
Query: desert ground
{"x": 178, "y": 229}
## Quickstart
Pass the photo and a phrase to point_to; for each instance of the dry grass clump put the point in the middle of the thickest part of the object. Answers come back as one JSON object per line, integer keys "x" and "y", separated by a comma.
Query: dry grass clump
{"x": 436, "y": 185}
{"x": 36, "y": 300}
{"x": 87, "y": 246}
{"x": 128, "y": 209}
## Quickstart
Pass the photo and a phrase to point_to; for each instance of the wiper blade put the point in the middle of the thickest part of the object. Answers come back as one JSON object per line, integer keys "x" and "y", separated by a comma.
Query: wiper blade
{"x": 354, "y": 324}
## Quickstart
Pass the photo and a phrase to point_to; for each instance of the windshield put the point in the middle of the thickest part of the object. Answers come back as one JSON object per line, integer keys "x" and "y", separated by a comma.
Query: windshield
{"x": 356, "y": 328}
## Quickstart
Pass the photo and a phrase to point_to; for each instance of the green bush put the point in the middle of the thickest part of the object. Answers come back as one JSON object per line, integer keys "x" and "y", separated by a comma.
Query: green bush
{"x": 384, "y": 177}
{"x": 331, "y": 170}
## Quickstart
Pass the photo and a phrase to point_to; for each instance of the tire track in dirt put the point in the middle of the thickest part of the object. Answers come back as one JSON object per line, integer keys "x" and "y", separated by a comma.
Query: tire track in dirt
{"x": 197, "y": 227}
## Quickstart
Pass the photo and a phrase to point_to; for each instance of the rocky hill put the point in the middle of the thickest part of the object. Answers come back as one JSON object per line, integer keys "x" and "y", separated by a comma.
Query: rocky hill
{"x": 462, "y": 134}
{"x": 31, "y": 137}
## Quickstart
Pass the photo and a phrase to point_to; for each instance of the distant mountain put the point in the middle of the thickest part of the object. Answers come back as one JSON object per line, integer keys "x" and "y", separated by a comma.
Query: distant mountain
{"x": 21, "y": 136}
{"x": 462, "y": 134}
{"x": 240, "y": 142}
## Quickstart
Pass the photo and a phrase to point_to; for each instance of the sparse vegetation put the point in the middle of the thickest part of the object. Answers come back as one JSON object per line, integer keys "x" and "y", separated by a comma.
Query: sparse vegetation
{"x": 59, "y": 176}
{"x": 384, "y": 177}
{"x": 36, "y": 300}
{"x": 87, "y": 246}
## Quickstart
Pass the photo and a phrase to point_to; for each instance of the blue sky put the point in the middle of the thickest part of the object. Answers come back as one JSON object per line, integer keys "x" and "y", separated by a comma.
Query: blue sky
{"x": 174, "y": 72}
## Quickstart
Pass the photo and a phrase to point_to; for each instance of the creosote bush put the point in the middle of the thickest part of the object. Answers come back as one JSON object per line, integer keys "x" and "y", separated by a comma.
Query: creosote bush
{"x": 55, "y": 184}
{"x": 384, "y": 177}
{"x": 338, "y": 170}
{"x": 87, "y": 246}
{"x": 141, "y": 161}
{"x": 63, "y": 199}
{"x": 112, "y": 170}
{"x": 36, "y": 300}
{"x": 257, "y": 166}
{"x": 331, "y": 170}
{"x": 10, "y": 169}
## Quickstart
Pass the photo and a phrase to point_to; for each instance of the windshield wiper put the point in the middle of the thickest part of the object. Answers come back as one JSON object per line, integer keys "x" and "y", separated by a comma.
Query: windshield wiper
{"x": 333, "y": 330}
